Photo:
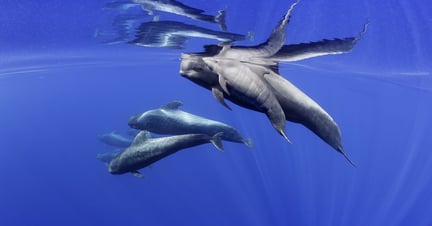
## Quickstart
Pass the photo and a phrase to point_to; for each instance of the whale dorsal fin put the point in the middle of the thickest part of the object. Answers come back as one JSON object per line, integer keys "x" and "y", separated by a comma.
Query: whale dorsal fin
{"x": 173, "y": 105}
{"x": 141, "y": 137}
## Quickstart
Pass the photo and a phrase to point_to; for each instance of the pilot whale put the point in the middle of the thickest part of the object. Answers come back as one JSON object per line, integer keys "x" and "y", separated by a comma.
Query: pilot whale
{"x": 146, "y": 150}
{"x": 176, "y": 7}
{"x": 246, "y": 83}
{"x": 296, "y": 105}
{"x": 169, "y": 119}
{"x": 115, "y": 139}
{"x": 106, "y": 157}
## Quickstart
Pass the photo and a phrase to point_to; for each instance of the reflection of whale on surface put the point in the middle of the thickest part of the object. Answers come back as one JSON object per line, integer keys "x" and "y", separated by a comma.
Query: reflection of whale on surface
{"x": 114, "y": 139}
{"x": 174, "y": 34}
{"x": 205, "y": 69}
{"x": 146, "y": 150}
{"x": 178, "y": 8}
{"x": 122, "y": 29}
{"x": 169, "y": 119}
{"x": 120, "y": 5}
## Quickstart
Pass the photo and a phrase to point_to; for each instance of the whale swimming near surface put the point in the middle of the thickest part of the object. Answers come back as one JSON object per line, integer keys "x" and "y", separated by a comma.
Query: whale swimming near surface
{"x": 146, "y": 150}
{"x": 296, "y": 105}
{"x": 169, "y": 119}
{"x": 115, "y": 139}
{"x": 176, "y": 7}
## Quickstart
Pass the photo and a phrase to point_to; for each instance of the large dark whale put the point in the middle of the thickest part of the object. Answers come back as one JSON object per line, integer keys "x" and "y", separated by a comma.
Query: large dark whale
{"x": 296, "y": 105}
{"x": 169, "y": 119}
{"x": 146, "y": 150}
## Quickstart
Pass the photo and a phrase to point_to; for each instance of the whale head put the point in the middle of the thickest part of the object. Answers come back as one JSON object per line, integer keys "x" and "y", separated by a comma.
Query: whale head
{"x": 150, "y": 120}
{"x": 133, "y": 121}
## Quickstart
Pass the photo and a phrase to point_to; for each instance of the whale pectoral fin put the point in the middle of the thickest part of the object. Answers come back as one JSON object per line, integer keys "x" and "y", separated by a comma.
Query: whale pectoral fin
{"x": 216, "y": 140}
{"x": 223, "y": 84}
{"x": 277, "y": 119}
{"x": 218, "y": 95}
{"x": 137, "y": 174}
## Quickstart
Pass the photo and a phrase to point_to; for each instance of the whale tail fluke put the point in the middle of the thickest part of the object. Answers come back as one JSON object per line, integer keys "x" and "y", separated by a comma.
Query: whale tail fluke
{"x": 220, "y": 19}
{"x": 216, "y": 140}
{"x": 248, "y": 142}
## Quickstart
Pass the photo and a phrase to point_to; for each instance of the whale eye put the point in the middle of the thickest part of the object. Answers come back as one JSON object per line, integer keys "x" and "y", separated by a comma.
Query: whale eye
{"x": 198, "y": 69}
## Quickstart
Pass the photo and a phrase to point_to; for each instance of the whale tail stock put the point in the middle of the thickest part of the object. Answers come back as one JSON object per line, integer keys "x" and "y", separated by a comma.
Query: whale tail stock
{"x": 216, "y": 140}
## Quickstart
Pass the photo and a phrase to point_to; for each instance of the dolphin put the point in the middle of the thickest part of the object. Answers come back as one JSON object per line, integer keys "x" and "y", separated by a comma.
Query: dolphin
{"x": 178, "y": 8}
{"x": 146, "y": 150}
{"x": 174, "y": 34}
{"x": 114, "y": 139}
{"x": 169, "y": 119}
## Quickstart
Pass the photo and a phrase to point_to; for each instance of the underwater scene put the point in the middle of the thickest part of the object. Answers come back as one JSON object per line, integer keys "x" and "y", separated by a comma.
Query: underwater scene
{"x": 195, "y": 112}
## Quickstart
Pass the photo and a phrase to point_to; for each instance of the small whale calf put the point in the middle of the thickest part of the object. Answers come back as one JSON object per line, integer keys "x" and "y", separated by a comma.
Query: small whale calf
{"x": 169, "y": 119}
{"x": 106, "y": 157}
{"x": 115, "y": 139}
{"x": 146, "y": 150}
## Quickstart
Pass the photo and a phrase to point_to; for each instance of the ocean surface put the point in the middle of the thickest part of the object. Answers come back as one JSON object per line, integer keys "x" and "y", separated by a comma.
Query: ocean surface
{"x": 61, "y": 86}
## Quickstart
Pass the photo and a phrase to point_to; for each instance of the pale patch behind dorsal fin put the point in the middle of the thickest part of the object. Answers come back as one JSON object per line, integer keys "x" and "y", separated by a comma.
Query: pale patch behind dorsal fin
{"x": 172, "y": 105}
{"x": 141, "y": 137}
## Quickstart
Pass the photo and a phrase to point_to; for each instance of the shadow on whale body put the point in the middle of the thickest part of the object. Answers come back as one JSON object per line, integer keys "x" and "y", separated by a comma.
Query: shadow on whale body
{"x": 206, "y": 70}
{"x": 169, "y": 119}
{"x": 146, "y": 150}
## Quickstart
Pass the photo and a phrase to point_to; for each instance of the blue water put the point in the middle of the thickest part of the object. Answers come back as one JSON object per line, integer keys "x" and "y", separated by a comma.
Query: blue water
{"x": 60, "y": 88}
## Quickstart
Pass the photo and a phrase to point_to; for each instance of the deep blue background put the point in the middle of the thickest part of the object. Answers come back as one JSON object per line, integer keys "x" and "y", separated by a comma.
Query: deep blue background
{"x": 59, "y": 88}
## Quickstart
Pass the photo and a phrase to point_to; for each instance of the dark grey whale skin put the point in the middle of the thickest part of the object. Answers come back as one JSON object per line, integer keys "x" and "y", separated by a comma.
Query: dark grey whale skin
{"x": 169, "y": 119}
{"x": 145, "y": 150}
